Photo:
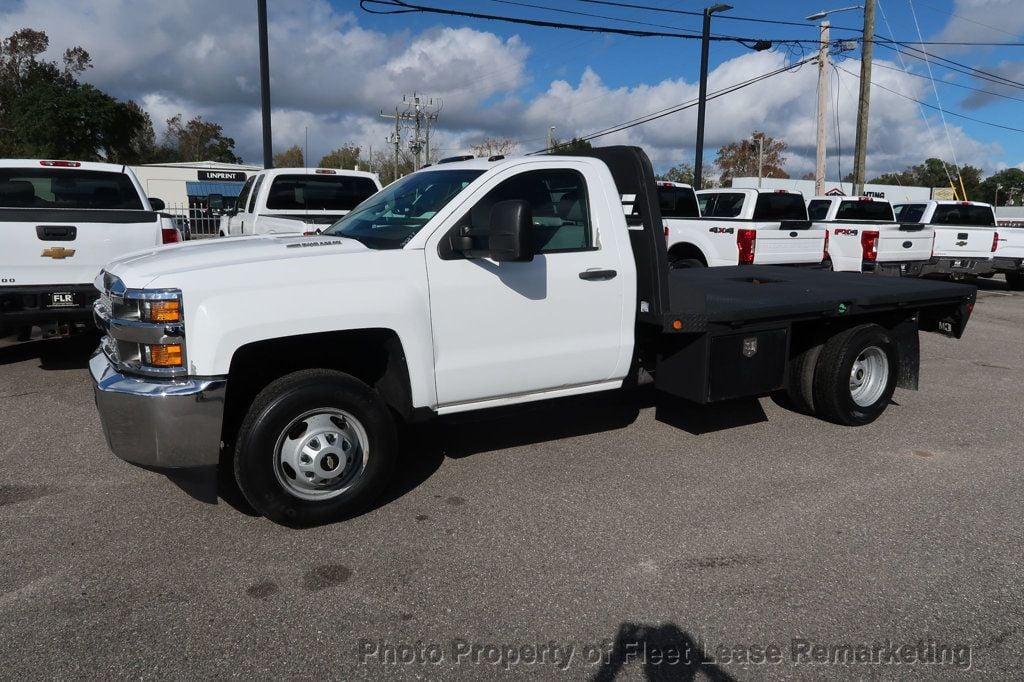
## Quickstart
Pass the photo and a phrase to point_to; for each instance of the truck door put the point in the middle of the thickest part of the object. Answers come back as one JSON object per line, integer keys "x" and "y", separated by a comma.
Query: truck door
{"x": 235, "y": 221}
{"x": 513, "y": 328}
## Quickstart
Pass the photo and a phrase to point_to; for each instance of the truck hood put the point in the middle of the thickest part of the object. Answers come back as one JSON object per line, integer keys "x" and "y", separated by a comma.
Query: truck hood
{"x": 140, "y": 268}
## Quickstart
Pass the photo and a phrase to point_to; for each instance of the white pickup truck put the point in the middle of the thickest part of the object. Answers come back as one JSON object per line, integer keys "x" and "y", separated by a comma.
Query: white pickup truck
{"x": 1009, "y": 256}
{"x": 467, "y": 285}
{"x": 965, "y": 236}
{"x": 865, "y": 237}
{"x": 745, "y": 226}
{"x": 296, "y": 200}
{"x": 60, "y": 221}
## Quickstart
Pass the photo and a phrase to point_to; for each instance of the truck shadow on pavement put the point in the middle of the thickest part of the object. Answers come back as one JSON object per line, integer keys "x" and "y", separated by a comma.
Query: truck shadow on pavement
{"x": 664, "y": 652}
{"x": 72, "y": 352}
{"x": 424, "y": 447}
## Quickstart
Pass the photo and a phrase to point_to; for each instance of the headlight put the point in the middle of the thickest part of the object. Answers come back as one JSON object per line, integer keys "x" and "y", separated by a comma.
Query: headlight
{"x": 160, "y": 311}
{"x": 145, "y": 329}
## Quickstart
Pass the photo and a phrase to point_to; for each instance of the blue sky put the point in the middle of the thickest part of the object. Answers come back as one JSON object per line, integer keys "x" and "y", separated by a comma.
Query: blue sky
{"x": 334, "y": 67}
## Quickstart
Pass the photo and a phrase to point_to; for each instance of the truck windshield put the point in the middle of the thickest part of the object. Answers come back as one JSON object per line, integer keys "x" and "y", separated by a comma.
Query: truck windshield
{"x": 66, "y": 188}
{"x": 319, "y": 192}
{"x": 963, "y": 214}
{"x": 780, "y": 206}
{"x": 678, "y": 202}
{"x": 394, "y": 215}
{"x": 858, "y": 209}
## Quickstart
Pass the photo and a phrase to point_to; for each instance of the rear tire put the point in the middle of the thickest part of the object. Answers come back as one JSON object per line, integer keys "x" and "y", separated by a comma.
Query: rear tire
{"x": 855, "y": 375}
{"x": 315, "y": 446}
{"x": 1015, "y": 281}
{"x": 685, "y": 263}
{"x": 800, "y": 379}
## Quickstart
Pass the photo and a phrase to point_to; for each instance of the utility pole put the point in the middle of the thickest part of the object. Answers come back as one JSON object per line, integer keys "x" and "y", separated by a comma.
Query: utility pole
{"x": 823, "y": 64}
{"x": 760, "y": 159}
{"x": 698, "y": 164}
{"x": 394, "y": 138}
{"x": 421, "y": 111}
{"x": 268, "y": 146}
{"x": 860, "y": 151}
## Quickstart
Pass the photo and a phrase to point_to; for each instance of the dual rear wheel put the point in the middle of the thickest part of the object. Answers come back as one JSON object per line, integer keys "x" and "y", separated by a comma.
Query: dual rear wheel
{"x": 849, "y": 379}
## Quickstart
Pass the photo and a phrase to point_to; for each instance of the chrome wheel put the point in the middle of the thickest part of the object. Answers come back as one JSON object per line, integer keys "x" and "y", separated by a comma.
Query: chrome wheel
{"x": 321, "y": 454}
{"x": 869, "y": 376}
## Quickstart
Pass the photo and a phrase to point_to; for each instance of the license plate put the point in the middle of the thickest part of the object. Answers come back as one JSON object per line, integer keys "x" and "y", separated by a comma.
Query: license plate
{"x": 61, "y": 299}
{"x": 961, "y": 264}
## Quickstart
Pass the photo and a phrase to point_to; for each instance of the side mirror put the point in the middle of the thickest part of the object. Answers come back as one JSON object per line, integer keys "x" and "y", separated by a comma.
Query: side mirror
{"x": 157, "y": 204}
{"x": 510, "y": 237}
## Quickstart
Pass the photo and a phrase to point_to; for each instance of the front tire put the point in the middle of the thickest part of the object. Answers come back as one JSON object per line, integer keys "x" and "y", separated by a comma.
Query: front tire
{"x": 315, "y": 446}
{"x": 855, "y": 375}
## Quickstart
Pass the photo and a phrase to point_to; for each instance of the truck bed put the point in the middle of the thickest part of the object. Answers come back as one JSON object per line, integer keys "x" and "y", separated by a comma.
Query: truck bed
{"x": 702, "y": 298}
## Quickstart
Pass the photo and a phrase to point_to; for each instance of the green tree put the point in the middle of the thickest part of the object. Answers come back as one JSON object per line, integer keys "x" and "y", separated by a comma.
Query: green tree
{"x": 935, "y": 173}
{"x": 346, "y": 156}
{"x": 740, "y": 159}
{"x": 197, "y": 140}
{"x": 1008, "y": 183}
{"x": 574, "y": 145}
{"x": 290, "y": 158}
{"x": 493, "y": 146}
{"x": 46, "y": 112}
{"x": 684, "y": 173}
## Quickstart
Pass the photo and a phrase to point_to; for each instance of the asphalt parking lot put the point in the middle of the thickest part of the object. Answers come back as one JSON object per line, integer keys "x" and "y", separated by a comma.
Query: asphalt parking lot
{"x": 579, "y": 538}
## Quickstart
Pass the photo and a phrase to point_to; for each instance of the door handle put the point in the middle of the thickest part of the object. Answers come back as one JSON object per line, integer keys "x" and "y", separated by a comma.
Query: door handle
{"x": 598, "y": 275}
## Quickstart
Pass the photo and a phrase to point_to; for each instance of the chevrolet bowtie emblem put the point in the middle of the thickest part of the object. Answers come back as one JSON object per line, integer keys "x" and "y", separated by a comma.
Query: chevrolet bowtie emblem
{"x": 57, "y": 252}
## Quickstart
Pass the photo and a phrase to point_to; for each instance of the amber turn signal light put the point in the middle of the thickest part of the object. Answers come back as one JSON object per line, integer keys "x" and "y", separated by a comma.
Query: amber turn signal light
{"x": 165, "y": 311}
{"x": 165, "y": 356}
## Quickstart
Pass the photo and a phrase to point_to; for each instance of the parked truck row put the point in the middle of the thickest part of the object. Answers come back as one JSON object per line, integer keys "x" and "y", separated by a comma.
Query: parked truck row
{"x": 949, "y": 239}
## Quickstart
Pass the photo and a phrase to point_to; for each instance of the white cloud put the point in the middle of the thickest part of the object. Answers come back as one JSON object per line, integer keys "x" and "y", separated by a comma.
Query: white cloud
{"x": 331, "y": 77}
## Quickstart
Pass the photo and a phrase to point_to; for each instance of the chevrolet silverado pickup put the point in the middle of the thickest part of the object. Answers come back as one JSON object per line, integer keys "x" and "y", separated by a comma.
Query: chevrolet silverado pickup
{"x": 463, "y": 286}
{"x": 60, "y": 221}
{"x": 1009, "y": 256}
{"x": 865, "y": 237}
{"x": 965, "y": 236}
{"x": 296, "y": 200}
{"x": 745, "y": 226}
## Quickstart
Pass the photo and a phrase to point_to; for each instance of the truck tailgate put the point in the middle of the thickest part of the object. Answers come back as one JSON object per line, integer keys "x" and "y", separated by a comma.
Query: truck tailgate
{"x": 789, "y": 246}
{"x": 69, "y": 246}
{"x": 959, "y": 241}
{"x": 912, "y": 243}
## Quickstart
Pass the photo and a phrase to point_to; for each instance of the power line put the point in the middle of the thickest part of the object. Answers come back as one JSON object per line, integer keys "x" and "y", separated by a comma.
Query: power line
{"x": 593, "y": 16}
{"x": 932, "y": 106}
{"x": 955, "y": 85}
{"x": 717, "y": 17}
{"x": 653, "y": 116}
{"x": 978, "y": 73}
{"x": 403, "y": 7}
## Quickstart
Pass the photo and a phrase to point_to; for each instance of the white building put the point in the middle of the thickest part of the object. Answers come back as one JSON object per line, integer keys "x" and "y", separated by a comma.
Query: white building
{"x": 186, "y": 185}
{"x": 896, "y": 194}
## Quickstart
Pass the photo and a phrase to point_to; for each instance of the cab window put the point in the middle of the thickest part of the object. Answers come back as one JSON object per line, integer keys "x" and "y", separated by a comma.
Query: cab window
{"x": 558, "y": 201}
{"x": 818, "y": 209}
{"x": 243, "y": 195}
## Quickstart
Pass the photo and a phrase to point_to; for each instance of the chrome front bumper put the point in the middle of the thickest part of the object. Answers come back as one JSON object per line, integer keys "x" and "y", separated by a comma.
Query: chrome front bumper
{"x": 159, "y": 423}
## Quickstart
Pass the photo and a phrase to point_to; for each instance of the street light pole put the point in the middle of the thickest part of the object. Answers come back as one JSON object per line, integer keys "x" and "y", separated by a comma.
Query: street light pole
{"x": 268, "y": 146}
{"x": 823, "y": 64}
{"x": 698, "y": 164}
{"x": 861, "y": 148}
